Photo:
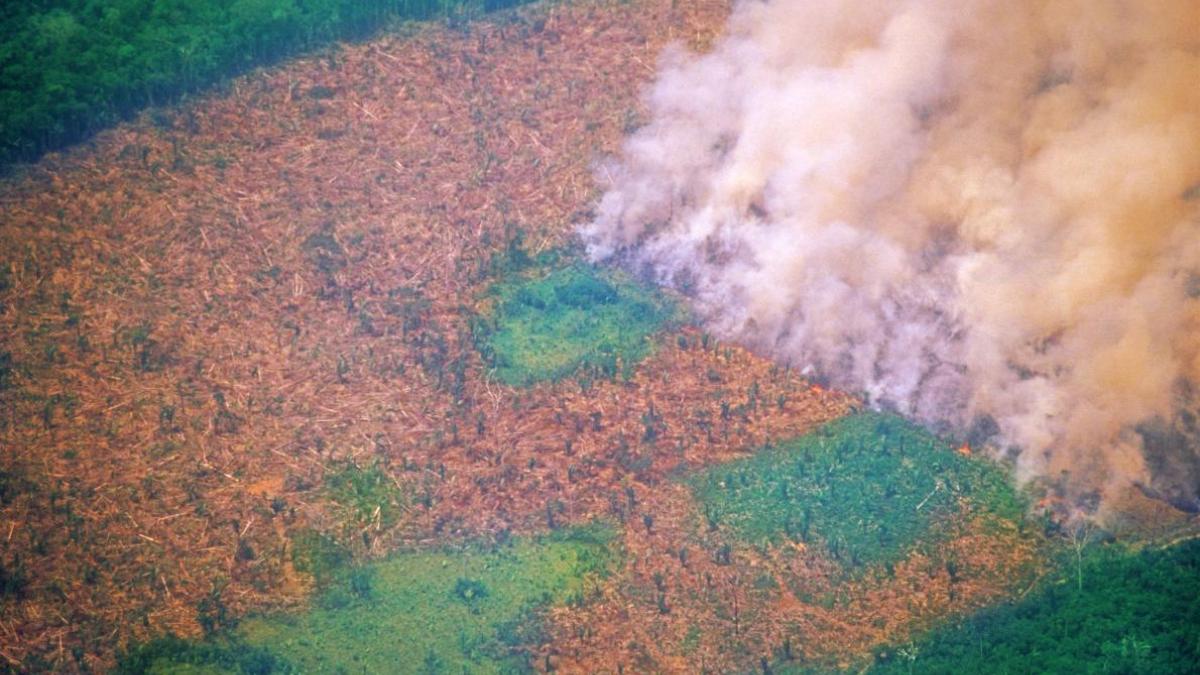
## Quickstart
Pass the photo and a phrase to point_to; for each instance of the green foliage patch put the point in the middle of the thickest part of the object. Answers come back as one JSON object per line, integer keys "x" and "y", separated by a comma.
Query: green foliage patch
{"x": 869, "y": 487}
{"x": 70, "y": 67}
{"x": 318, "y": 555}
{"x": 368, "y": 495}
{"x": 452, "y": 608}
{"x": 1134, "y": 613}
{"x": 549, "y": 325}
{"x": 476, "y": 610}
{"x": 175, "y": 656}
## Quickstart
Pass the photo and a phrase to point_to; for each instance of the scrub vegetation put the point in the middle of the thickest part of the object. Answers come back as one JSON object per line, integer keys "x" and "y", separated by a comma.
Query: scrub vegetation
{"x": 369, "y": 497}
{"x": 475, "y": 609}
{"x": 70, "y": 67}
{"x": 868, "y": 487}
{"x": 549, "y": 325}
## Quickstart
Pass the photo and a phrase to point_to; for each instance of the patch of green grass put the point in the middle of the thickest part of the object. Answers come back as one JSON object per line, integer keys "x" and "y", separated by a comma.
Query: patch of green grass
{"x": 368, "y": 495}
{"x": 869, "y": 487}
{"x": 549, "y": 325}
{"x": 1134, "y": 613}
{"x": 453, "y": 608}
{"x": 472, "y": 610}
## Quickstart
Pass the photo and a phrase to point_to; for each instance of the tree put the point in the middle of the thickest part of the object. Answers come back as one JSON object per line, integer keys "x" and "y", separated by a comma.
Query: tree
{"x": 1080, "y": 536}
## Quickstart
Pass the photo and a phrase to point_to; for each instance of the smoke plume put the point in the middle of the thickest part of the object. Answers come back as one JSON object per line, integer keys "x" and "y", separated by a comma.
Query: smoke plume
{"x": 984, "y": 214}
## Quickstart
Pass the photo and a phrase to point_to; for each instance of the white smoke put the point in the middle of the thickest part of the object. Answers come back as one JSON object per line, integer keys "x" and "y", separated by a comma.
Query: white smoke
{"x": 969, "y": 210}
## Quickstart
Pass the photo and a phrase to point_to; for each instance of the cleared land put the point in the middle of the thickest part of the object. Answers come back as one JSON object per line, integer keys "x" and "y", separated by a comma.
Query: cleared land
{"x": 285, "y": 347}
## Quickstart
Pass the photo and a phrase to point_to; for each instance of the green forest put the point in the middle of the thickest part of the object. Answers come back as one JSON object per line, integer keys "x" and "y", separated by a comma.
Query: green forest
{"x": 71, "y": 67}
{"x": 1128, "y": 612}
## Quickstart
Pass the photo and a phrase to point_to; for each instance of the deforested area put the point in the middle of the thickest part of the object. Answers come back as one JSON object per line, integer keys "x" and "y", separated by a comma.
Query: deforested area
{"x": 359, "y": 353}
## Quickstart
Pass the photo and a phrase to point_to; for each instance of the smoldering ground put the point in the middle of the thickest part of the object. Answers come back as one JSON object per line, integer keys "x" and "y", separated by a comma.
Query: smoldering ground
{"x": 982, "y": 213}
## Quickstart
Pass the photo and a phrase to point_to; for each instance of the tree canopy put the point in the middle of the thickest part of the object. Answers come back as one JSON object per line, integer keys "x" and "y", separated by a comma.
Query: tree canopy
{"x": 1133, "y": 613}
{"x": 71, "y": 67}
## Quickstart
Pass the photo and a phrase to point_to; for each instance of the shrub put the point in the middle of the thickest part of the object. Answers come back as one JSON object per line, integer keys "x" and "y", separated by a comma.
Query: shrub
{"x": 368, "y": 495}
{"x": 171, "y": 654}
{"x": 318, "y": 555}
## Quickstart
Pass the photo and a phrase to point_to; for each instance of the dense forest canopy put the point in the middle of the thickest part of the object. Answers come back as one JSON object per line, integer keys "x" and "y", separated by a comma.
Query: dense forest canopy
{"x": 1125, "y": 612}
{"x": 71, "y": 67}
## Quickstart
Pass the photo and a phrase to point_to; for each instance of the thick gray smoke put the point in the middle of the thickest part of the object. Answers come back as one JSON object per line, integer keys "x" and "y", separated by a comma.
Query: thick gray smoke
{"x": 983, "y": 213}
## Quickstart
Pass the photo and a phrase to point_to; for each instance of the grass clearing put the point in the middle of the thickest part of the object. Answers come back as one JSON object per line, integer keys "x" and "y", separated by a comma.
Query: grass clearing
{"x": 473, "y": 610}
{"x": 548, "y": 326}
{"x": 869, "y": 487}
